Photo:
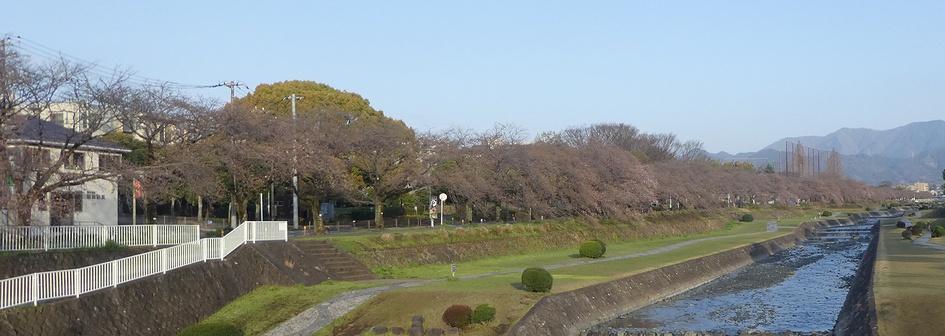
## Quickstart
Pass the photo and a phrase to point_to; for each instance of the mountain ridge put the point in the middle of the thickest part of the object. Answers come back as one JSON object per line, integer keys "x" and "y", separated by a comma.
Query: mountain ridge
{"x": 911, "y": 153}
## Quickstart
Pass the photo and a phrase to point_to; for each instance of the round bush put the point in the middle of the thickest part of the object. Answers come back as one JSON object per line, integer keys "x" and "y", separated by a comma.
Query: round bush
{"x": 537, "y": 279}
{"x": 592, "y": 249}
{"x": 748, "y": 218}
{"x": 917, "y": 230}
{"x": 938, "y": 231}
{"x": 483, "y": 313}
{"x": 211, "y": 329}
{"x": 826, "y": 214}
{"x": 901, "y": 224}
{"x": 907, "y": 234}
{"x": 603, "y": 247}
{"x": 457, "y": 315}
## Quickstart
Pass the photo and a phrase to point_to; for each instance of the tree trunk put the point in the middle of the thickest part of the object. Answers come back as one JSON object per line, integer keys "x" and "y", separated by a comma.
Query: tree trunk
{"x": 232, "y": 213}
{"x": 316, "y": 209}
{"x": 241, "y": 211}
{"x": 469, "y": 213}
{"x": 379, "y": 212}
{"x": 24, "y": 212}
{"x": 150, "y": 211}
{"x": 200, "y": 210}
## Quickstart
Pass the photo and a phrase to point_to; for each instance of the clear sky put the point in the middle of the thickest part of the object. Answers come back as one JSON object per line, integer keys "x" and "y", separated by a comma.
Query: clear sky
{"x": 736, "y": 75}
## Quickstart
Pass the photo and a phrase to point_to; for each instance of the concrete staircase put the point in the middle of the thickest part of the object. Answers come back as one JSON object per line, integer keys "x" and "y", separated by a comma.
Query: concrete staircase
{"x": 339, "y": 264}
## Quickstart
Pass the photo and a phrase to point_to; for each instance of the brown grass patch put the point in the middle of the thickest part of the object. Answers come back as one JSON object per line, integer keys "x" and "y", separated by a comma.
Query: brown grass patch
{"x": 910, "y": 295}
{"x": 510, "y": 305}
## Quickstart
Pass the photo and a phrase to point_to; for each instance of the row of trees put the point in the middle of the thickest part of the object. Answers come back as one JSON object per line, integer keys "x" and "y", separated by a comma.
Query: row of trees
{"x": 189, "y": 150}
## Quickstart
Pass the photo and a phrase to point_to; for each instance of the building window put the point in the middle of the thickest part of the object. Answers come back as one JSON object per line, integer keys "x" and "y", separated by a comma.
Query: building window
{"x": 76, "y": 161}
{"x": 58, "y": 119}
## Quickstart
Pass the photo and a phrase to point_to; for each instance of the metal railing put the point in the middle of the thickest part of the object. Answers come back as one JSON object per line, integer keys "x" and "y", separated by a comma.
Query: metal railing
{"x": 30, "y": 238}
{"x": 42, "y": 286}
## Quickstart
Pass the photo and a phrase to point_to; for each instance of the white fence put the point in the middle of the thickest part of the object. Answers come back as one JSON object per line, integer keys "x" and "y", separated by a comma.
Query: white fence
{"x": 37, "y": 287}
{"x": 26, "y": 238}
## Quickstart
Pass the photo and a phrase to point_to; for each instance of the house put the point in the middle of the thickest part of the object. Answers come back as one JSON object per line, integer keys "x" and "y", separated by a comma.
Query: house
{"x": 87, "y": 193}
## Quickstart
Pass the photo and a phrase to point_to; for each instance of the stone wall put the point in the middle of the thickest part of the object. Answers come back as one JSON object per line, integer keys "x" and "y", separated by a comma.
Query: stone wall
{"x": 570, "y": 312}
{"x": 156, "y": 305}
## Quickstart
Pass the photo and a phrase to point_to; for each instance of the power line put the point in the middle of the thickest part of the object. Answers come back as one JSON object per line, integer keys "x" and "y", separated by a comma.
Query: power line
{"x": 39, "y": 50}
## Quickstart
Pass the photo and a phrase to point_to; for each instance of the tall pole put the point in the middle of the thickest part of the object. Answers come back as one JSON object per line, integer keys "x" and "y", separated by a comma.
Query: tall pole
{"x": 295, "y": 172}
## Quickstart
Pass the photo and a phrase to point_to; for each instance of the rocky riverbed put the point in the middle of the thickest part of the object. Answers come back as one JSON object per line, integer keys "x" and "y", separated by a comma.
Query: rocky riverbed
{"x": 796, "y": 292}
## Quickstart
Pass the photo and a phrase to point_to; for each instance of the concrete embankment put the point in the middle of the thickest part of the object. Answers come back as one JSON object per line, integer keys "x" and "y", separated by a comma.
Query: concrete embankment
{"x": 569, "y": 313}
{"x": 858, "y": 315}
{"x": 164, "y": 304}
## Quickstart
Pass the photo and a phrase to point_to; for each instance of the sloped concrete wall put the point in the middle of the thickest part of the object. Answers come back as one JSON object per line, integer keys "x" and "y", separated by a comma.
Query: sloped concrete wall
{"x": 156, "y": 305}
{"x": 570, "y": 312}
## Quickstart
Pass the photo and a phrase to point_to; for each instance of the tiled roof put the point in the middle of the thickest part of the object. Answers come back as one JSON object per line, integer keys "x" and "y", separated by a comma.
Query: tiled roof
{"x": 38, "y": 132}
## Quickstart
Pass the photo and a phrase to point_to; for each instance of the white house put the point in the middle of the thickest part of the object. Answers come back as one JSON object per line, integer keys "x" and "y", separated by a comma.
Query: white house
{"x": 94, "y": 202}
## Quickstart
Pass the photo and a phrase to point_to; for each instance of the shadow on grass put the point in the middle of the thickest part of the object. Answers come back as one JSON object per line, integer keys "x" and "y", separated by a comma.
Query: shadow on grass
{"x": 576, "y": 256}
{"x": 518, "y": 285}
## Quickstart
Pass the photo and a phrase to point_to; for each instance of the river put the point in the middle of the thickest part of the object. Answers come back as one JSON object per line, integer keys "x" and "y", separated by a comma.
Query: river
{"x": 799, "y": 290}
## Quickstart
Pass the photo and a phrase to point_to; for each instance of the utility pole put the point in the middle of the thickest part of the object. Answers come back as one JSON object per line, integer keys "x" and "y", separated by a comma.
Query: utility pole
{"x": 232, "y": 85}
{"x": 6, "y": 97}
{"x": 295, "y": 172}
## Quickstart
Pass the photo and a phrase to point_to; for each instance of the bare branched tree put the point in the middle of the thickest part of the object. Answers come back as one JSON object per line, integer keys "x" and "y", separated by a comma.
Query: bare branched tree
{"x": 51, "y": 117}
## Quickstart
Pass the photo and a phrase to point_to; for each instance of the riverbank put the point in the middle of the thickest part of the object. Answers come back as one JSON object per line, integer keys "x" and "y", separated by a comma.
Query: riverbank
{"x": 908, "y": 285}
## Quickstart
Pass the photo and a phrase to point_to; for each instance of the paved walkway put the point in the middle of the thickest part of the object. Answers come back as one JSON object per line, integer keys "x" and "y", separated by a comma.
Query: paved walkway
{"x": 321, "y": 315}
{"x": 924, "y": 240}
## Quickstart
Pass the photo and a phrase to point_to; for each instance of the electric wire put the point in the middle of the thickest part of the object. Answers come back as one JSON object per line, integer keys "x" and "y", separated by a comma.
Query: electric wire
{"x": 36, "y": 49}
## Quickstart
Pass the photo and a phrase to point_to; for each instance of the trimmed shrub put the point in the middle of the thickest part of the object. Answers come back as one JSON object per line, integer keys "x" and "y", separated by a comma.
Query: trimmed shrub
{"x": 748, "y": 218}
{"x": 483, "y": 313}
{"x": 907, "y": 234}
{"x": 603, "y": 247}
{"x": 826, "y": 214}
{"x": 457, "y": 315}
{"x": 592, "y": 249}
{"x": 537, "y": 279}
{"x": 901, "y": 224}
{"x": 211, "y": 329}
{"x": 938, "y": 231}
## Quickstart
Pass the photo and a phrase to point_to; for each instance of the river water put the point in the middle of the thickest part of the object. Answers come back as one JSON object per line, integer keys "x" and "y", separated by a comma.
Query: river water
{"x": 799, "y": 290}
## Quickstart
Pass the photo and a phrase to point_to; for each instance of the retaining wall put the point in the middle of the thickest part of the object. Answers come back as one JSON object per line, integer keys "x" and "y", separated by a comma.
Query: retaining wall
{"x": 569, "y": 313}
{"x": 156, "y": 305}
{"x": 858, "y": 315}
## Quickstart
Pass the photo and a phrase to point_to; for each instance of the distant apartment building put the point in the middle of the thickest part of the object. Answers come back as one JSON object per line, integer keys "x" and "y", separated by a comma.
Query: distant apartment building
{"x": 918, "y": 187}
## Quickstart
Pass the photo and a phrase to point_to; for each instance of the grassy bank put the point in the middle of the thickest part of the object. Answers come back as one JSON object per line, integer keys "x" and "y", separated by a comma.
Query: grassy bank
{"x": 504, "y": 293}
{"x": 389, "y": 252}
{"x": 268, "y": 306}
{"x": 908, "y": 285}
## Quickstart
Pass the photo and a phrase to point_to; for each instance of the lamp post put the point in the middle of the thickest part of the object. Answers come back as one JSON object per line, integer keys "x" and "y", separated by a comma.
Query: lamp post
{"x": 442, "y": 205}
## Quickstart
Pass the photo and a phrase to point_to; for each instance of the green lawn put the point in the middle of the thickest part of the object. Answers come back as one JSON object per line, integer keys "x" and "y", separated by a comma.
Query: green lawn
{"x": 502, "y": 292}
{"x": 908, "y": 286}
{"x": 268, "y": 306}
{"x": 557, "y": 256}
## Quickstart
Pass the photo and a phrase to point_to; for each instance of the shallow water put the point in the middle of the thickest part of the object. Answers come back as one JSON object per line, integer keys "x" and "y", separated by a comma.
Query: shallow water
{"x": 797, "y": 290}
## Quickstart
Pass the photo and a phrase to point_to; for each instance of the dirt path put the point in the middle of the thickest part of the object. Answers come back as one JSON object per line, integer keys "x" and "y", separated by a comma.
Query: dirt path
{"x": 321, "y": 315}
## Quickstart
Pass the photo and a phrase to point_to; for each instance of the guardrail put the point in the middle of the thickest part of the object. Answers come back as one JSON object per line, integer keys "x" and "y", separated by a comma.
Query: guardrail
{"x": 31, "y": 238}
{"x": 42, "y": 286}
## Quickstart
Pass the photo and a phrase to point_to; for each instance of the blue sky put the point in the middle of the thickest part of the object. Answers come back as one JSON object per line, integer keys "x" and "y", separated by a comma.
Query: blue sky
{"x": 736, "y": 75}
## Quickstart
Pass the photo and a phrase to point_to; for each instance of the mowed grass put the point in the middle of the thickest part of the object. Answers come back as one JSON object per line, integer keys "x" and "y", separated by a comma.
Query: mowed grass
{"x": 908, "y": 286}
{"x": 557, "y": 256}
{"x": 269, "y": 306}
{"x": 504, "y": 291}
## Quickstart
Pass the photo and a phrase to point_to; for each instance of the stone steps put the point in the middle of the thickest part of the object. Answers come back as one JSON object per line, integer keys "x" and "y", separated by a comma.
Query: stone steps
{"x": 339, "y": 264}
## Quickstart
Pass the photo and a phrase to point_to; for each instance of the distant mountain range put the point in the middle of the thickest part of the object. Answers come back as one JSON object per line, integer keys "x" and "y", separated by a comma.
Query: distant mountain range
{"x": 905, "y": 154}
